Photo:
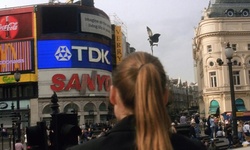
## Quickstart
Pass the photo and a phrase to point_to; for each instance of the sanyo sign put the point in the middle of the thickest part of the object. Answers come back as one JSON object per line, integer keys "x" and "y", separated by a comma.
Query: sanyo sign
{"x": 73, "y": 54}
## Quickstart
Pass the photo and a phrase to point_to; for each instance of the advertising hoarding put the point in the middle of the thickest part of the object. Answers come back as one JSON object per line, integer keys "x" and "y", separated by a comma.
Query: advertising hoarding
{"x": 118, "y": 44}
{"x": 17, "y": 49}
{"x": 95, "y": 24}
{"x": 73, "y": 54}
{"x": 74, "y": 82}
{"x": 16, "y": 26}
{"x": 16, "y": 55}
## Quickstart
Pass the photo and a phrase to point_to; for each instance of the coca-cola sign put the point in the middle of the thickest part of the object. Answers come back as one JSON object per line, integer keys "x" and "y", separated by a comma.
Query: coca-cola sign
{"x": 8, "y": 27}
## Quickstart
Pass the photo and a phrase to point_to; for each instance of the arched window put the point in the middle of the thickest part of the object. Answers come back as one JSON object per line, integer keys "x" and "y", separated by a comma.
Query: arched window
{"x": 71, "y": 107}
{"x": 103, "y": 107}
{"x": 240, "y": 105}
{"x": 214, "y": 107}
{"x": 89, "y": 107}
{"x": 47, "y": 110}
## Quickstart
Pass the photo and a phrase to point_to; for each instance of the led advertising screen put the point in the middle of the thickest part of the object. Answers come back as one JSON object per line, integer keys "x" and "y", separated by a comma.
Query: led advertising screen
{"x": 15, "y": 26}
{"x": 16, "y": 55}
{"x": 73, "y": 54}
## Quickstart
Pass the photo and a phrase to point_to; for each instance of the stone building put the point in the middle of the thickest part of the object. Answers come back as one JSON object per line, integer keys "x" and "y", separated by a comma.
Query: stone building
{"x": 183, "y": 98}
{"x": 223, "y": 21}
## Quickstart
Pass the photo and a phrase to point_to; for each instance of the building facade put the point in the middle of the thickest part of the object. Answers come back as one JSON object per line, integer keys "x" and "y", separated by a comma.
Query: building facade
{"x": 222, "y": 22}
{"x": 183, "y": 98}
{"x": 70, "y": 49}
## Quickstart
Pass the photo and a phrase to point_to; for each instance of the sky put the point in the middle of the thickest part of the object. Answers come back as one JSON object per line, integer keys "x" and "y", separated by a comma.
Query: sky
{"x": 175, "y": 20}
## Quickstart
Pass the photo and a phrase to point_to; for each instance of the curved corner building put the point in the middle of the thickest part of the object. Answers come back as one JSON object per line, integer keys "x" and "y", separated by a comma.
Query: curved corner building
{"x": 222, "y": 22}
{"x": 62, "y": 48}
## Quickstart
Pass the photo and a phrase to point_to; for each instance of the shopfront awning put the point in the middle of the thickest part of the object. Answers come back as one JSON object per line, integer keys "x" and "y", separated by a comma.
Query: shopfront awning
{"x": 240, "y": 105}
{"x": 214, "y": 107}
{"x": 213, "y": 110}
{"x": 241, "y": 108}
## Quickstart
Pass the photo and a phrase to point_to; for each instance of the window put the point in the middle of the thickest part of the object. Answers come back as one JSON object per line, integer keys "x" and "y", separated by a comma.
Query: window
{"x": 235, "y": 62}
{"x": 102, "y": 107}
{"x": 234, "y": 47}
{"x": 249, "y": 76}
{"x": 248, "y": 46}
{"x": 209, "y": 48}
{"x": 26, "y": 90}
{"x": 236, "y": 77}
{"x": 211, "y": 63}
{"x": 213, "y": 82}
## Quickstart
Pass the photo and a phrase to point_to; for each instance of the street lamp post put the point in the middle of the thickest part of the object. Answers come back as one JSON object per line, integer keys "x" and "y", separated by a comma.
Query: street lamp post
{"x": 13, "y": 127}
{"x": 17, "y": 76}
{"x": 229, "y": 54}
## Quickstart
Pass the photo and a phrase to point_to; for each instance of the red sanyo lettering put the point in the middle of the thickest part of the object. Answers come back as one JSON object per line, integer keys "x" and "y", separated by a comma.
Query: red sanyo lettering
{"x": 86, "y": 82}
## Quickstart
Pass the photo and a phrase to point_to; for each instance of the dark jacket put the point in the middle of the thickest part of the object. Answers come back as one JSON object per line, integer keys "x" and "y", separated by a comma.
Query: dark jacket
{"x": 122, "y": 137}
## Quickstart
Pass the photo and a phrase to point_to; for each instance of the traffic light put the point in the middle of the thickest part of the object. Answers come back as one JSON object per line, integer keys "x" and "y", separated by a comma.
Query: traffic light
{"x": 66, "y": 131}
{"x": 37, "y": 136}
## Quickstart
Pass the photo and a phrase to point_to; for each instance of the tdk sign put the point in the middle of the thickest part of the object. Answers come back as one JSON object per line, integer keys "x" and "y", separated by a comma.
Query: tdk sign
{"x": 73, "y": 54}
{"x": 101, "y": 55}
{"x": 63, "y": 53}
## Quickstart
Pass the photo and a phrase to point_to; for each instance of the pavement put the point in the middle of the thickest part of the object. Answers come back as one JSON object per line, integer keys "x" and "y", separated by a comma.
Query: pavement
{"x": 243, "y": 148}
{"x": 222, "y": 143}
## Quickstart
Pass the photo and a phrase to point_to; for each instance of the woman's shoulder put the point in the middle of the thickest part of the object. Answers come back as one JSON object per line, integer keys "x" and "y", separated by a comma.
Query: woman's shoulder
{"x": 181, "y": 142}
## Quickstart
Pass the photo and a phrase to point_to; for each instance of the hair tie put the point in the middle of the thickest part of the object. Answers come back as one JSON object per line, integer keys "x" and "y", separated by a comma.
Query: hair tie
{"x": 141, "y": 66}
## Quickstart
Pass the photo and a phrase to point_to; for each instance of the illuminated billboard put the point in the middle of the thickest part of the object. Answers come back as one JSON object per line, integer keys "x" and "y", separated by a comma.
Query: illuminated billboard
{"x": 73, "y": 54}
{"x": 74, "y": 82}
{"x": 16, "y": 26}
{"x": 118, "y": 44}
{"x": 16, "y": 55}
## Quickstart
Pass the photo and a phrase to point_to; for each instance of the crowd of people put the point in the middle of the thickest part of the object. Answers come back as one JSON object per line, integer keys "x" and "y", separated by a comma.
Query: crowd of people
{"x": 215, "y": 127}
{"x": 92, "y": 131}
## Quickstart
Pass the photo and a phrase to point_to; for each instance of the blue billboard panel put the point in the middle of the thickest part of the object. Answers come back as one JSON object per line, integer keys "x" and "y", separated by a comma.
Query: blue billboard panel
{"x": 73, "y": 54}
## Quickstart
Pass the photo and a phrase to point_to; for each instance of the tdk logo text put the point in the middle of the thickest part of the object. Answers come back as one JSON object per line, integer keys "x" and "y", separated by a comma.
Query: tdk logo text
{"x": 94, "y": 54}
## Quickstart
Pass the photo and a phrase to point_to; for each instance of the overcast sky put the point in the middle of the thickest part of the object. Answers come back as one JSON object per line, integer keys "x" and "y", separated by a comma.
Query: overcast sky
{"x": 175, "y": 20}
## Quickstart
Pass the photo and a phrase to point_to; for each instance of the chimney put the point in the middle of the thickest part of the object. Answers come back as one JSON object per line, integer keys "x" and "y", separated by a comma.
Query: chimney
{"x": 89, "y": 3}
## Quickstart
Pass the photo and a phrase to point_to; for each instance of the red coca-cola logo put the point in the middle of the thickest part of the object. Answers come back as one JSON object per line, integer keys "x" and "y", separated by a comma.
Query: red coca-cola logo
{"x": 8, "y": 27}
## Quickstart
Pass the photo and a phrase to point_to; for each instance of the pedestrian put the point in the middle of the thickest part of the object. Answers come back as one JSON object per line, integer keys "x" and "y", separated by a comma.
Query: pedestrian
{"x": 102, "y": 133}
{"x": 192, "y": 132}
{"x": 197, "y": 125}
{"x": 173, "y": 129}
{"x": 83, "y": 136}
{"x": 228, "y": 132}
{"x": 19, "y": 145}
{"x": 212, "y": 127}
{"x": 89, "y": 134}
{"x": 246, "y": 129}
{"x": 219, "y": 130}
{"x": 139, "y": 95}
{"x": 183, "y": 119}
{"x": 240, "y": 130}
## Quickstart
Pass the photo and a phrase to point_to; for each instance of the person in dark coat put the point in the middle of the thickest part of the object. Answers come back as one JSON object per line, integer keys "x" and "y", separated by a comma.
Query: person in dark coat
{"x": 192, "y": 132}
{"x": 228, "y": 133}
{"x": 139, "y": 95}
